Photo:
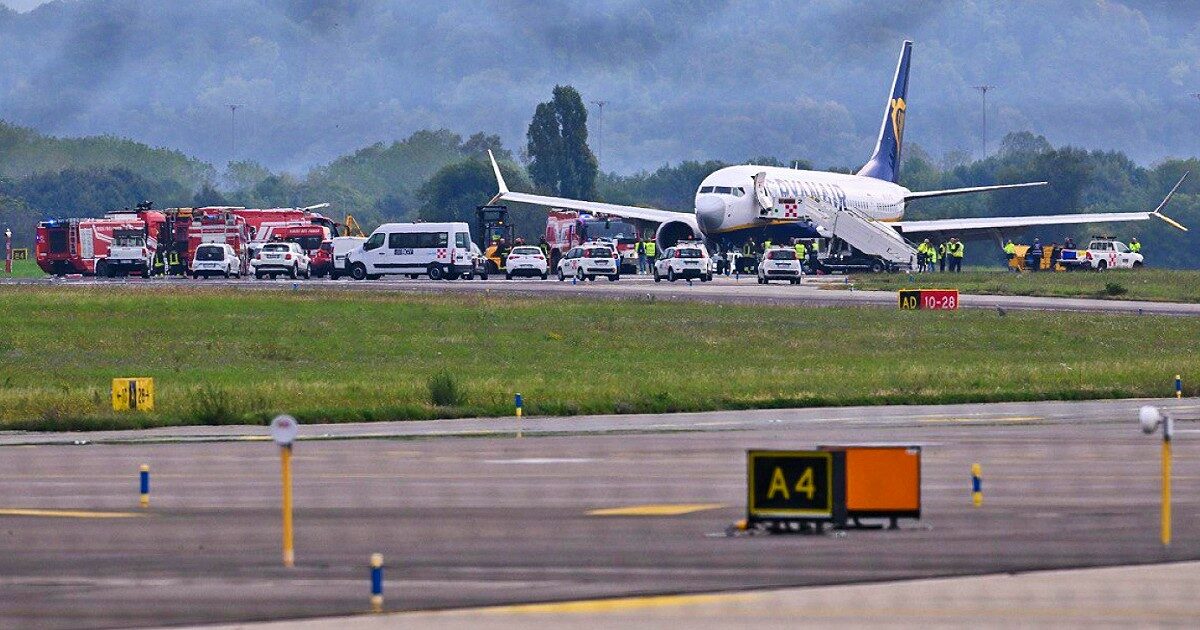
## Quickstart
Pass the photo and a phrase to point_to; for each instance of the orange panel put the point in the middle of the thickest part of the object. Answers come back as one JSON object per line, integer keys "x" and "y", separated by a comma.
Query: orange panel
{"x": 883, "y": 479}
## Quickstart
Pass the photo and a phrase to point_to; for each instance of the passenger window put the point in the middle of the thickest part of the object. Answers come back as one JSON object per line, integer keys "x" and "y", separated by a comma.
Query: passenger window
{"x": 395, "y": 241}
{"x": 460, "y": 240}
{"x": 374, "y": 242}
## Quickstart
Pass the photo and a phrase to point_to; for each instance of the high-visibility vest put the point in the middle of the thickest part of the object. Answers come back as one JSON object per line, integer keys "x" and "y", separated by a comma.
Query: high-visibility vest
{"x": 174, "y": 258}
{"x": 941, "y": 249}
{"x": 956, "y": 250}
{"x": 650, "y": 248}
{"x": 766, "y": 245}
{"x": 801, "y": 250}
{"x": 1010, "y": 248}
{"x": 1135, "y": 247}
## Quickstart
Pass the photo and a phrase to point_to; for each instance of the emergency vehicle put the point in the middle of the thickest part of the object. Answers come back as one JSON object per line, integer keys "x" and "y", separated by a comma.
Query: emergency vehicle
{"x": 566, "y": 229}
{"x": 83, "y": 246}
{"x": 1102, "y": 253}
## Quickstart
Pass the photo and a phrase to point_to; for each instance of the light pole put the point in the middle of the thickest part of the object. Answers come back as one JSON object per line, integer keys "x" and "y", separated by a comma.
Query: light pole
{"x": 233, "y": 130}
{"x": 983, "y": 89}
{"x": 600, "y": 131}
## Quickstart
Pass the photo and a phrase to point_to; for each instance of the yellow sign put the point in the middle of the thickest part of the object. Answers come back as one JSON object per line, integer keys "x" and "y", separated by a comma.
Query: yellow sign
{"x": 21, "y": 254}
{"x": 133, "y": 393}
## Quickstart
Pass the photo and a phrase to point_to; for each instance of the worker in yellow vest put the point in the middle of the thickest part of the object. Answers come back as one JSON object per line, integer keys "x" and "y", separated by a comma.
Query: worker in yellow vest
{"x": 955, "y": 252}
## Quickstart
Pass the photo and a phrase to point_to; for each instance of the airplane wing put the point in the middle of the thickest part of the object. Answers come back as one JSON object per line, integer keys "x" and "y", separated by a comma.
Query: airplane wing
{"x": 616, "y": 210}
{"x": 976, "y": 225}
{"x": 964, "y": 191}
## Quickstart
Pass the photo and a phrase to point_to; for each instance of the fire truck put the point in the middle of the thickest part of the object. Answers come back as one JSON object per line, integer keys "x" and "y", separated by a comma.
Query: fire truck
{"x": 117, "y": 243}
{"x": 567, "y": 228}
{"x": 298, "y": 225}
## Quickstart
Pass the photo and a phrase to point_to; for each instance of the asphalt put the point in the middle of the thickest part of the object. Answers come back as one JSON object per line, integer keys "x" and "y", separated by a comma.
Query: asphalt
{"x": 822, "y": 291}
{"x": 468, "y": 515}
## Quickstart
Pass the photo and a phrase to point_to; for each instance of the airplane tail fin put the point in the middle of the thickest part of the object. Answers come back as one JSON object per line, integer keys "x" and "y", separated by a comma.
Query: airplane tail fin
{"x": 885, "y": 161}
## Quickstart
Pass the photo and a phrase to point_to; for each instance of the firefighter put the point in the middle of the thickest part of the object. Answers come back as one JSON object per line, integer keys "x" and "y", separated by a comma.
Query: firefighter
{"x": 955, "y": 250}
{"x": 1135, "y": 246}
{"x": 923, "y": 251}
{"x": 801, "y": 250}
{"x": 941, "y": 256}
{"x": 640, "y": 248}
{"x": 158, "y": 265}
{"x": 651, "y": 252}
{"x": 173, "y": 266}
{"x": 545, "y": 247}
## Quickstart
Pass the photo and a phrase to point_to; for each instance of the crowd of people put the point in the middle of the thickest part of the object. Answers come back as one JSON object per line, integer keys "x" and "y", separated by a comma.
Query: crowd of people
{"x": 938, "y": 257}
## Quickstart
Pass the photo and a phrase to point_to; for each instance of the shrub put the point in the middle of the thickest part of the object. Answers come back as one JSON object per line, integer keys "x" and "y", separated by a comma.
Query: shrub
{"x": 444, "y": 390}
{"x": 1115, "y": 288}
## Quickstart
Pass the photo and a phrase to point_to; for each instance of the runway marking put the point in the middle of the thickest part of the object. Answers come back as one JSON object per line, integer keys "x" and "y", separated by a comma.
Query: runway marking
{"x": 620, "y": 603}
{"x": 67, "y": 513}
{"x": 991, "y": 420}
{"x": 543, "y": 460}
{"x": 664, "y": 509}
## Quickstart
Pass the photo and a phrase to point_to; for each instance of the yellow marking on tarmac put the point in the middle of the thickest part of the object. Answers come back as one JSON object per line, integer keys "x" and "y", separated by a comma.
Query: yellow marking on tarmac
{"x": 620, "y": 603}
{"x": 665, "y": 509}
{"x": 67, "y": 513}
{"x": 992, "y": 420}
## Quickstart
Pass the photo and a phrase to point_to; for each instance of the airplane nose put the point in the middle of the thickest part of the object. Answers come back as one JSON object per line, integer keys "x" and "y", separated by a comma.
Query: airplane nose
{"x": 710, "y": 212}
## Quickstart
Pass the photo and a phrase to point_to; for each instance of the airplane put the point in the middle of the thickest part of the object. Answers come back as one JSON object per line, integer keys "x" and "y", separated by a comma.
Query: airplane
{"x": 866, "y": 209}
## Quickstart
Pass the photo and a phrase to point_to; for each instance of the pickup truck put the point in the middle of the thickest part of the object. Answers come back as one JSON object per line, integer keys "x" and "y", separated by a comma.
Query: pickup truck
{"x": 1101, "y": 254}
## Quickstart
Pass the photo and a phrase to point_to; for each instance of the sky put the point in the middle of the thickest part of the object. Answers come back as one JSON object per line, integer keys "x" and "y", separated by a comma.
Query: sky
{"x": 683, "y": 79}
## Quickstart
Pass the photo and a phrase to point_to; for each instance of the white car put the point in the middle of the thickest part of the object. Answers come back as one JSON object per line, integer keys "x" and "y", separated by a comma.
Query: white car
{"x": 587, "y": 261}
{"x": 526, "y": 260}
{"x": 780, "y": 263}
{"x": 216, "y": 259}
{"x": 280, "y": 258}
{"x": 343, "y": 245}
{"x": 685, "y": 261}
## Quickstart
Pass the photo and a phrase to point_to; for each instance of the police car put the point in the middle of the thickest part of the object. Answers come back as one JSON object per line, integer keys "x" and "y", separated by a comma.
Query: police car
{"x": 684, "y": 260}
{"x": 526, "y": 260}
{"x": 587, "y": 261}
{"x": 779, "y": 263}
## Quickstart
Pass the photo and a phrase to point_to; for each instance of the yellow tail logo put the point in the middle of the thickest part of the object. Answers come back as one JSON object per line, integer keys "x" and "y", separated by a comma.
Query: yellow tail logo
{"x": 898, "y": 108}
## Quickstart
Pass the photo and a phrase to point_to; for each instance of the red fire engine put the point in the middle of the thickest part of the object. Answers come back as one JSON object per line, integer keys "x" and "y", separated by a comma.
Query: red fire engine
{"x": 68, "y": 246}
{"x": 567, "y": 228}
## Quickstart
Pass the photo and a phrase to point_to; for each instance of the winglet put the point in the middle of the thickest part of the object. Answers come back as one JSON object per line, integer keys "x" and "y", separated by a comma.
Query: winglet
{"x": 499, "y": 177}
{"x": 1158, "y": 211}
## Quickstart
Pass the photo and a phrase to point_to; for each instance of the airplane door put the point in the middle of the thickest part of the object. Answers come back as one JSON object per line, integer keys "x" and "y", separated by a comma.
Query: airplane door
{"x": 761, "y": 194}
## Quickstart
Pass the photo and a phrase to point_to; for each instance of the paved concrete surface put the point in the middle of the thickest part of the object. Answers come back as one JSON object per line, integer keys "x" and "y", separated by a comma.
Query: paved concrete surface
{"x": 1158, "y": 595}
{"x": 823, "y": 291}
{"x": 488, "y": 519}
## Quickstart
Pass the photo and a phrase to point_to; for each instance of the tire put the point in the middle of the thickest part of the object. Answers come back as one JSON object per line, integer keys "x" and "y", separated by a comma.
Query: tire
{"x": 1102, "y": 265}
{"x": 561, "y": 276}
{"x": 507, "y": 276}
{"x": 413, "y": 276}
{"x": 333, "y": 275}
{"x": 308, "y": 273}
{"x": 670, "y": 274}
{"x": 876, "y": 267}
{"x": 435, "y": 272}
{"x": 614, "y": 277}
{"x": 795, "y": 281}
{"x": 102, "y": 270}
{"x": 657, "y": 278}
{"x": 294, "y": 272}
{"x": 545, "y": 274}
{"x": 227, "y": 274}
{"x": 580, "y": 276}
{"x": 358, "y": 271}
{"x": 1137, "y": 265}
{"x": 258, "y": 275}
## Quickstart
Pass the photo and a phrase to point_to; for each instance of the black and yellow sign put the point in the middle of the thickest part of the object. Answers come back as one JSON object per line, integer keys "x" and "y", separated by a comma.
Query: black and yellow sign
{"x": 133, "y": 394}
{"x": 20, "y": 254}
{"x": 790, "y": 485}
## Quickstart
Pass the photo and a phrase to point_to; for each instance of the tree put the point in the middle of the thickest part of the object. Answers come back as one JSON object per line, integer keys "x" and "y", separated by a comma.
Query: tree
{"x": 454, "y": 191}
{"x": 560, "y": 160}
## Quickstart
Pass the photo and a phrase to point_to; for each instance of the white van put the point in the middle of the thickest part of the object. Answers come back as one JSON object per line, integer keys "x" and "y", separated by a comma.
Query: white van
{"x": 438, "y": 250}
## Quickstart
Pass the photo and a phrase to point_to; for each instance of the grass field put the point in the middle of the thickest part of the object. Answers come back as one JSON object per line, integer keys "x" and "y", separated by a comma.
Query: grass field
{"x": 1159, "y": 285}
{"x": 220, "y": 356}
{"x": 23, "y": 269}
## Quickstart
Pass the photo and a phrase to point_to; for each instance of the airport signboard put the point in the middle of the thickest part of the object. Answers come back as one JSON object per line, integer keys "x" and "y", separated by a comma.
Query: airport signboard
{"x": 929, "y": 299}
{"x": 790, "y": 485}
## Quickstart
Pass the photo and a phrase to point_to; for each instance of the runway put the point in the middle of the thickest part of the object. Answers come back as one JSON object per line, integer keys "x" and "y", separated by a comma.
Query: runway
{"x": 815, "y": 292}
{"x": 466, "y": 514}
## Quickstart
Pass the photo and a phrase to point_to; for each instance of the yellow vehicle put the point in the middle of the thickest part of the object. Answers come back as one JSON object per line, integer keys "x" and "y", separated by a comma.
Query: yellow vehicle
{"x": 1021, "y": 260}
{"x": 353, "y": 228}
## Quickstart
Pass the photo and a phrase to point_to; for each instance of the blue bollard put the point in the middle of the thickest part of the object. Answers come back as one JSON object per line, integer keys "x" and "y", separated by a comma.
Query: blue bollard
{"x": 144, "y": 483}
{"x": 376, "y": 582}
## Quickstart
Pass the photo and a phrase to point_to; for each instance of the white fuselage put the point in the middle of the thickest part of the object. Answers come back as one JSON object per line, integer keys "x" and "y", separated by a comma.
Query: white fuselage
{"x": 727, "y": 210}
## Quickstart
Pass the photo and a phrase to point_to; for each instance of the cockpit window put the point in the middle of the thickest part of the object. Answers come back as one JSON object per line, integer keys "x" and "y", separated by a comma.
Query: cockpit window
{"x": 738, "y": 192}
{"x": 722, "y": 190}
{"x": 706, "y": 189}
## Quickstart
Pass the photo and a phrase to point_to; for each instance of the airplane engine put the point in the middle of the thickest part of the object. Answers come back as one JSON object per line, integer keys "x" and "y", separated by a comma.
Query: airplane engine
{"x": 672, "y": 232}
